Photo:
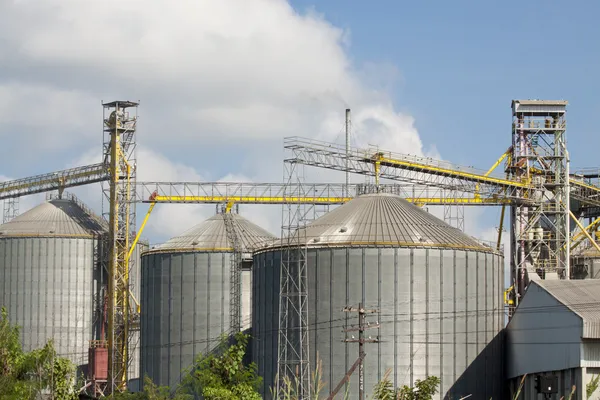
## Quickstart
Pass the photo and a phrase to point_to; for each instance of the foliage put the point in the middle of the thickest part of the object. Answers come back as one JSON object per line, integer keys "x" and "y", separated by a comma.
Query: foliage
{"x": 25, "y": 375}
{"x": 592, "y": 386}
{"x": 516, "y": 396}
{"x": 222, "y": 374}
{"x": 151, "y": 392}
{"x": 422, "y": 390}
{"x": 289, "y": 388}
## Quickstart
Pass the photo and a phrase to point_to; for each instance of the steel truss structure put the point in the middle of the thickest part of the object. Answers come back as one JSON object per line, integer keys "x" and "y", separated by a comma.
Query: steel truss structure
{"x": 11, "y": 209}
{"x": 120, "y": 126}
{"x": 536, "y": 184}
{"x": 57, "y": 180}
{"x": 323, "y": 194}
{"x": 293, "y": 348}
{"x": 540, "y": 230}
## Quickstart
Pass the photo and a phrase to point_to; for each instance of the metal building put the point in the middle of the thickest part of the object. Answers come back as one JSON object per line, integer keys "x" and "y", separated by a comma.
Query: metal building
{"x": 438, "y": 292}
{"x": 555, "y": 331}
{"x": 585, "y": 264}
{"x": 186, "y": 294}
{"x": 50, "y": 280}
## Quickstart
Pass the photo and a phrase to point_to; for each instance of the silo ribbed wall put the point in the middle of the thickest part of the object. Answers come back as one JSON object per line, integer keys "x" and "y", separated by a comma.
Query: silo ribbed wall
{"x": 135, "y": 281}
{"x": 48, "y": 286}
{"x": 185, "y": 308}
{"x": 440, "y": 310}
{"x": 186, "y": 293}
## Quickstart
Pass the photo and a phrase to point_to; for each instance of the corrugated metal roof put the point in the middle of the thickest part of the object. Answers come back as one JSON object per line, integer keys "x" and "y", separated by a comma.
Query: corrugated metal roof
{"x": 57, "y": 217}
{"x": 211, "y": 235}
{"x": 385, "y": 220}
{"x": 582, "y": 296}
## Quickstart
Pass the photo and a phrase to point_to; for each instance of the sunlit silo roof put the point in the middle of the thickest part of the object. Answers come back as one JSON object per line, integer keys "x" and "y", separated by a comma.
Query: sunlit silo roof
{"x": 211, "y": 235}
{"x": 385, "y": 219}
{"x": 58, "y": 217}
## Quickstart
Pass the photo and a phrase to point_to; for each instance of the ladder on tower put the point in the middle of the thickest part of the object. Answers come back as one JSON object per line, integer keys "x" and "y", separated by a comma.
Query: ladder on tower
{"x": 235, "y": 264}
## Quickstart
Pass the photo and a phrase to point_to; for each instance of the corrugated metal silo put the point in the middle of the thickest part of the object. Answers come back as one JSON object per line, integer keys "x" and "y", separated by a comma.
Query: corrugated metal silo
{"x": 50, "y": 276}
{"x": 438, "y": 292}
{"x": 186, "y": 295}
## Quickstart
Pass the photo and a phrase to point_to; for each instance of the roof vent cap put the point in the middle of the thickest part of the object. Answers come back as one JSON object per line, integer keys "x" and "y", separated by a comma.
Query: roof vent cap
{"x": 343, "y": 229}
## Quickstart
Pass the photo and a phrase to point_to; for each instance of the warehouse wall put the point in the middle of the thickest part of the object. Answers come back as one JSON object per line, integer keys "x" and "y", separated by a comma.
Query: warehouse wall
{"x": 543, "y": 335}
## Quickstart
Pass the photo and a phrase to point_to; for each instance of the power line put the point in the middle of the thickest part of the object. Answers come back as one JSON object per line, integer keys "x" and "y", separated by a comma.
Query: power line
{"x": 362, "y": 327}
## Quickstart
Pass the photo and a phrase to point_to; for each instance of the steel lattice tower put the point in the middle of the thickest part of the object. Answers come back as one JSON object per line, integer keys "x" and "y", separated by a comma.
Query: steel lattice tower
{"x": 11, "y": 209}
{"x": 293, "y": 353}
{"x": 120, "y": 125}
{"x": 540, "y": 220}
{"x": 293, "y": 350}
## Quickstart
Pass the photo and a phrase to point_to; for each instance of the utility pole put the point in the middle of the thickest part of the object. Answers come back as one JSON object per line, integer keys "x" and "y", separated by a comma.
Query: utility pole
{"x": 362, "y": 327}
{"x": 347, "y": 148}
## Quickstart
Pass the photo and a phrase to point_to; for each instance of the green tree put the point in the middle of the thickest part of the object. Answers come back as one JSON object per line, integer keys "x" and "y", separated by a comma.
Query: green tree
{"x": 592, "y": 386}
{"x": 422, "y": 390}
{"x": 152, "y": 392}
{"x": 24, "y": 375}
{"x": 222, "y": 374}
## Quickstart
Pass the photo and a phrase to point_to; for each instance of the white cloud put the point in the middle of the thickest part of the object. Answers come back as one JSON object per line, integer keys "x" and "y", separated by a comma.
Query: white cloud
{"x": 220, "y": 84}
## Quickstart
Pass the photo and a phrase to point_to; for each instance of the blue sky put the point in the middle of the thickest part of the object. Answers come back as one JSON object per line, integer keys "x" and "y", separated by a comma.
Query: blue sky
{"x": 221, "y": 84}
{"x": 460, "y": 63}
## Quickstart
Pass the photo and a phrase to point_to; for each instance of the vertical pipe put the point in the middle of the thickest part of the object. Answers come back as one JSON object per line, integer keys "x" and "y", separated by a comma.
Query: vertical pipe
{"x": 567, "y": 220}
{"x": 347, "y": 149}
{"x": 361, "y": 352}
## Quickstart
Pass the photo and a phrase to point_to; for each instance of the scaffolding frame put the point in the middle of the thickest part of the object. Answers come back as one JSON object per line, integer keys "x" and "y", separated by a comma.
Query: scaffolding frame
{"x": 293, "y": 361}
{"x": 119, "y": 149}
{"x": 540, "y": 231}
{"x": 11, "y": 209}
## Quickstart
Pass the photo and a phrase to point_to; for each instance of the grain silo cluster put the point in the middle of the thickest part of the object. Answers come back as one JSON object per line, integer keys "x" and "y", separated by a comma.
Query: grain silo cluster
{"x": 376, "y": 281}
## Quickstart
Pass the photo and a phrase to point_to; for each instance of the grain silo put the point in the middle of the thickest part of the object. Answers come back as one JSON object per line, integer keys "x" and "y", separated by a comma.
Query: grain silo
{"x": 186, "y": 294}
{"x": 50, "y": 277}
{"x": 437, "y": 290}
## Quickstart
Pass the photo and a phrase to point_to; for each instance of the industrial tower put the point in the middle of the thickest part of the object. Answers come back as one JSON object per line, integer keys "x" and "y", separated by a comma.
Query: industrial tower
{"x": 539, "y": 223}
{"x": 120, "y": 124}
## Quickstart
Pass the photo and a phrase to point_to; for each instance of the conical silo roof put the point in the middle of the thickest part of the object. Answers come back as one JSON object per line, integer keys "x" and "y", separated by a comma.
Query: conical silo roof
{"x": 54, "y": 218}
{"x": 211, "y": 235}
{"x": 384, "y": 220}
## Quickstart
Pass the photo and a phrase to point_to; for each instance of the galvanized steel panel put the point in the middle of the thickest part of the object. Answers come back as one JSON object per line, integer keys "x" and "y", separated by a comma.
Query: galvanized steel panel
{"x": 431, "y": 313}
{"x": 384, "y": 220}
{"x": 211, "y": 235}
{"x": 58, "y": 218}
{"x": 48, "y": 289}
{"x": 543, "y": 334}
{"x": 185, "y": 310}
{"x": 577, "y": 295}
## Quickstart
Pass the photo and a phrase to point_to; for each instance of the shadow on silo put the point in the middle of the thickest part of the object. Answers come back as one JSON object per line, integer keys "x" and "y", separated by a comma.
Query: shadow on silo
{"x": 484, "y": 378}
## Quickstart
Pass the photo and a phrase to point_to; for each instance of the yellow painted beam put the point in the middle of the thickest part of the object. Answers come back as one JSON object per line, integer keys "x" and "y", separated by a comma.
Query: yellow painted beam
{"x": 578, "y": 238}
{"x": 250, "y": 199}
{"x": 585, "y": 232}
{"x": 431, "y": 169}
{"x": 501, "y": 226}
{"x": 492, "y": 168}
{"x": 132, "y": 248}
{"x": 315, "y": 200}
